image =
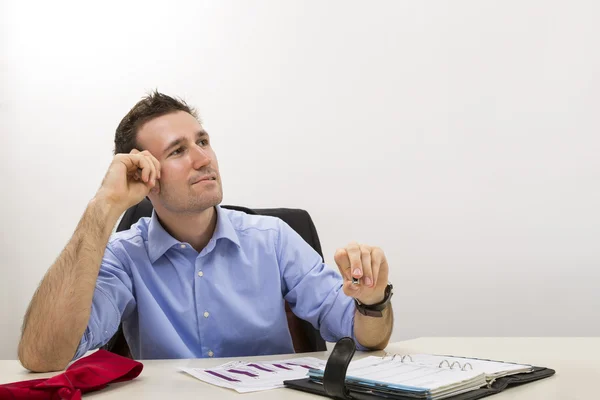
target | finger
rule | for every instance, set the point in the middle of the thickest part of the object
(153, 159)
(379, 264)
(153, 173)
(351, 289)
(133, 162)
(343, 263)
(374, 272)
(354, 256)
(365, 258)
(139, 164)
(146, 168)
(156, 164)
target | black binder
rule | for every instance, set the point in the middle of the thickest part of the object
(334, 383)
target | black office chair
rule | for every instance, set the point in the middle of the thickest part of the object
(304, 336)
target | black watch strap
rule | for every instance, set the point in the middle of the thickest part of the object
(375, 310)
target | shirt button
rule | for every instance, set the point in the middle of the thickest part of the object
(182, 246)
(206, 314)
(200, 273)
(210, 353)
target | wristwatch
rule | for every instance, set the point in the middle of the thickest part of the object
(375, 310)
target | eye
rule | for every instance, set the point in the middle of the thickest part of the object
(203, 142)
(177, 151)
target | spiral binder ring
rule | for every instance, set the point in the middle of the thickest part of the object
(451, 366)
(455, 362)
(402, 358)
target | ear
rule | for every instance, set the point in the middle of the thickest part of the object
(154, 190)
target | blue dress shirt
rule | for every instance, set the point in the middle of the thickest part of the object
(226, 301)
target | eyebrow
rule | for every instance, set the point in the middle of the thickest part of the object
(181, 139)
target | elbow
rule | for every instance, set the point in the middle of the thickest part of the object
(382, 345)
(34, 361)
(375, 347)
(37, 365)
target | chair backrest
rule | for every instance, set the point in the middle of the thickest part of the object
(304, 336)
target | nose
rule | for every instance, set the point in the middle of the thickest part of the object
(200, 157)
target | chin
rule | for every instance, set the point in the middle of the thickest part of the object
(193, 203)
(206, 200)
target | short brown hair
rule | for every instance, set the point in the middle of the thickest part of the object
(152, 106)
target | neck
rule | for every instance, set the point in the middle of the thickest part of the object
(196, 229)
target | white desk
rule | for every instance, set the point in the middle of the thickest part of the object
(576, 361)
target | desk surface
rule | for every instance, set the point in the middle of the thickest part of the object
(576, 361)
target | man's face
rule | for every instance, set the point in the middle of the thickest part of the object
(190, 180)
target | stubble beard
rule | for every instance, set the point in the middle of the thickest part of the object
(192, 202)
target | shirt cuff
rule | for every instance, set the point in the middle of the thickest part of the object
(339, 321)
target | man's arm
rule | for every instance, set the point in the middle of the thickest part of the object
(374, 333)
(60, 309)
(312, 289)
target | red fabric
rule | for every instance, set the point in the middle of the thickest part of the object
(87, 374)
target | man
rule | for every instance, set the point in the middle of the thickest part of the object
(194, 280)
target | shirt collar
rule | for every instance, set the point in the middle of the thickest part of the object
(159, 240)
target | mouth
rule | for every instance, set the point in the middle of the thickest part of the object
(205, 179)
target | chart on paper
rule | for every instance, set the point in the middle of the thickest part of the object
(252, 376)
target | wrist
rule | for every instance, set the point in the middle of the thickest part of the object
(104, 206)
(375, 309)
(374, 299)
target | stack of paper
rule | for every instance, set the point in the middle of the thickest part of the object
(391, 375)
(248, 376)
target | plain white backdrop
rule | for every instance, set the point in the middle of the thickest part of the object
(460, 136)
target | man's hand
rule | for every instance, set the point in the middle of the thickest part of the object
(368, 264)
(129, 179)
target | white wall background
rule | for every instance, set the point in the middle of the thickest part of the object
(460, 136)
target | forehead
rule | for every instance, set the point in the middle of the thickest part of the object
(157, 133)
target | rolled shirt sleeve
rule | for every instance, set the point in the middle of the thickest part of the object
(313, 289)
(113, 300)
